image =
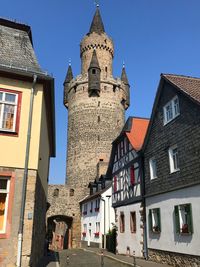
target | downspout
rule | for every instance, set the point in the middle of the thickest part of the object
(25, 176)
(144, 209)
(104, 218)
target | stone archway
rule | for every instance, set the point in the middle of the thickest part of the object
(59, 232)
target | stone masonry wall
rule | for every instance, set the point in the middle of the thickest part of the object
(8, 246)
(174, 259)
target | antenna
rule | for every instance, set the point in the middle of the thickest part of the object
(70, 62)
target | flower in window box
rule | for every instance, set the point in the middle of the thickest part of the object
(97, 209)
(83, 234)
(185, 228)
(96, 234)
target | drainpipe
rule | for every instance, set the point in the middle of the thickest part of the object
(144, 208)
(25, 176)
(104, 218)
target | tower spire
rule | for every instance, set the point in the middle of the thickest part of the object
(124, 77)
(69, 75)
(97, 23)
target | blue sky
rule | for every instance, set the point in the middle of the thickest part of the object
(151, 36)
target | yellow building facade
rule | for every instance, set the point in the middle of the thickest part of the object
(27, 141)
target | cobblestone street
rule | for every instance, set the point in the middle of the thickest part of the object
(80, 258)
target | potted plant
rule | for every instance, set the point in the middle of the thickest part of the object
(184, 228)
(96, 234)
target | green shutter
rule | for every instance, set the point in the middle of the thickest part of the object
(177, 221)
(150, 220)
(188, 209)
(159, 219)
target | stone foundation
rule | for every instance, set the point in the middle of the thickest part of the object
(174, 259)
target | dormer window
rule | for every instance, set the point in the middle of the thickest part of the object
(171, 110)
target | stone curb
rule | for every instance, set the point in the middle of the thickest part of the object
(113, 258)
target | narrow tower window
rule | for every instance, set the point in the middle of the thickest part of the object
(93, 71)
(99, 119)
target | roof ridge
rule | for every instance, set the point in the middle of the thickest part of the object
(180, 76)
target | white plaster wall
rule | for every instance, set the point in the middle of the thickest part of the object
(128, 239)
(168, 239)
(93, 217)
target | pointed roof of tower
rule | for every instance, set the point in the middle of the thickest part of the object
(69, 75)
(124, 76)
(94, 61)
(97, 23)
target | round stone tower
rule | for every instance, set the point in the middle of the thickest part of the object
(96, 103)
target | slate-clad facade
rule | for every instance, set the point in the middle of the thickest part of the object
(172, 172)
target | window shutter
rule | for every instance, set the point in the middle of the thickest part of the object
(150, 220)
(132, 173)
(189, 216)
(177, 221)
(115, 183)
(159, 219)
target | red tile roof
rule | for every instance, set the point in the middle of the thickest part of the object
(188, 85)
(138, 131)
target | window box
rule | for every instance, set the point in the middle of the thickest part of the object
(154, 221)
(183, 219)
(96, 209)
(84, 234)
(96, 234)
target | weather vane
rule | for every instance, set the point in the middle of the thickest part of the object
(96, 2)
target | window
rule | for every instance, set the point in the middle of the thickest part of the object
(183, 219)
(173, 159)
(84, 230)
(115, 184)
(133, 222)
(97, 204)
(85, 209)
(171, 110)
(93, 71)
(132, 175)
(4, 195)
(97, 229)
(122, 222)
(154, 220)
(71, 192)
(91, 206)
(56, 192)
(9, 110)
(153, 168)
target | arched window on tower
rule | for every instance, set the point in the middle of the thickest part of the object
(56, 192)
(71, 192)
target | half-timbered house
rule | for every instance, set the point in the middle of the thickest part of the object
(125, 168)
(172, 172)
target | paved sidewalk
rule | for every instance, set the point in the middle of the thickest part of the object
(125, 259)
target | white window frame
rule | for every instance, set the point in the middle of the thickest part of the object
(172, 163)
(153, 168)
(175, 110)
(3, 102)
(5, 191)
